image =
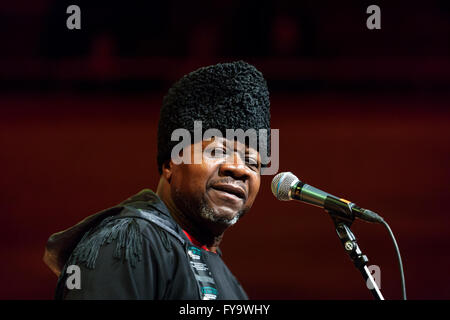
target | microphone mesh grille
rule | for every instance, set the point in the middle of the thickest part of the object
(281, 185)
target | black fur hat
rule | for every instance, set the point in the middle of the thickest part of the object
(223, 96)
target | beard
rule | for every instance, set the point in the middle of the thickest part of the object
(201, 209)
(208, 213)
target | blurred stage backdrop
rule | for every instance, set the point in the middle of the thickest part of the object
(363, 114)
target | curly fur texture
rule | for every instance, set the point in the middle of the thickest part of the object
(223, 96)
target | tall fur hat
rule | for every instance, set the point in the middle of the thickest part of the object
(223, 96)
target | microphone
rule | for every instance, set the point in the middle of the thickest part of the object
(286, 186)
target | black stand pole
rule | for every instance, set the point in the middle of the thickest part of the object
(348, 240)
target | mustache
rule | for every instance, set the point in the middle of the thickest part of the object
(229, 181)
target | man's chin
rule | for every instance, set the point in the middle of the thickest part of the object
(223, 217)
(227, 221)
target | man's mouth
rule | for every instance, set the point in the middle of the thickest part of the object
(231, 189)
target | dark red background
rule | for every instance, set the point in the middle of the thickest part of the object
(362, 114)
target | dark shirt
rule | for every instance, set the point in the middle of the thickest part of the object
(141, 253)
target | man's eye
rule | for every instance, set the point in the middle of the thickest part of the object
(218, 152)
(252, 162)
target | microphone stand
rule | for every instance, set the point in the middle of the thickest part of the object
(350, 245)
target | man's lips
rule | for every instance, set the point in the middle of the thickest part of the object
(232, 189)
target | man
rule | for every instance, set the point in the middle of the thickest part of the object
(165, 245)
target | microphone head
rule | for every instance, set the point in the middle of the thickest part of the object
(281, 185)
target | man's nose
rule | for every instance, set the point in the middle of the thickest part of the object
(235, 167)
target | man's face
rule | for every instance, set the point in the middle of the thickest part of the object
(222, 187)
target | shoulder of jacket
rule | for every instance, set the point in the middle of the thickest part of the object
(129, 229)
(155, 218)
(125, 232)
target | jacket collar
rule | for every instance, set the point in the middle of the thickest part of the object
(148, 198)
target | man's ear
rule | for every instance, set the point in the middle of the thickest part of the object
(167, 170)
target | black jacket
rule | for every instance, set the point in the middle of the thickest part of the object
(137, 251)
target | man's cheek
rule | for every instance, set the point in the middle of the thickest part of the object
(252, 196)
